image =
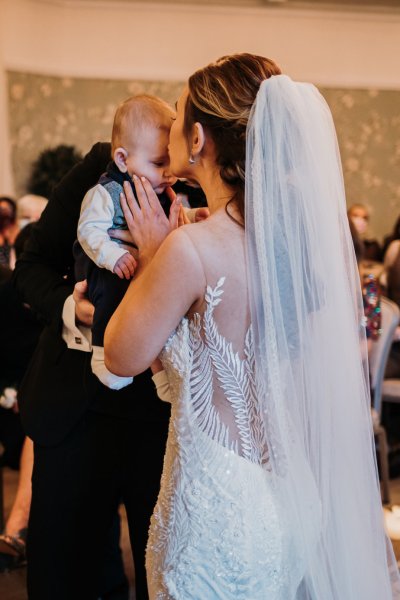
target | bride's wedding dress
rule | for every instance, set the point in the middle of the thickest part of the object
(218, 531)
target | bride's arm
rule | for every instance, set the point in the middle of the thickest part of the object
(153, 305)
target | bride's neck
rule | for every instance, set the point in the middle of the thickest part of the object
(217, 192)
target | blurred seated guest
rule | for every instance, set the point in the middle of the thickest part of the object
(388, 239)
(371, 295)
(359, 215)
(29, 209)
(13, 538)
(19, 334)
(391, 264)
(8, 231)
(370, 288)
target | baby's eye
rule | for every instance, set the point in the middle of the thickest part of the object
(158, 164)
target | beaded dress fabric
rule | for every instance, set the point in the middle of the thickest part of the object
(217, 530)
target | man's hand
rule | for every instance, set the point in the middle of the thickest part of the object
(84, 309)
(125, 266)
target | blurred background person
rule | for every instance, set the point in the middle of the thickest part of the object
(360, 217)
(394, 235)
(29, 209)
(19, 334)
(8, 231)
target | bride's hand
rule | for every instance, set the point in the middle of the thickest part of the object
(147, 221)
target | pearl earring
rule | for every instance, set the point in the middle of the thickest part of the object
(191, 160)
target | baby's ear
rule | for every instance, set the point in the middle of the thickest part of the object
(120, 156)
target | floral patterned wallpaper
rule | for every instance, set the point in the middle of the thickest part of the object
(47, 111)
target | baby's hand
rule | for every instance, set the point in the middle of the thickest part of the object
(125, 266)
(201, 214)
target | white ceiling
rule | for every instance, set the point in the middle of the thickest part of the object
(335, 4)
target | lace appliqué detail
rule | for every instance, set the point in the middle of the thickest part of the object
(235, 377)
(216, 531)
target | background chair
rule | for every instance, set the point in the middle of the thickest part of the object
(391, 390)
(378, 357)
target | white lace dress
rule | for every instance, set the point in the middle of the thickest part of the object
(217, 531)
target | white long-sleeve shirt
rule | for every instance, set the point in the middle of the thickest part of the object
(96, 218)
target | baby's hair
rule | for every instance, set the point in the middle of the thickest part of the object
(137, 112)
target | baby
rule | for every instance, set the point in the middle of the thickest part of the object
(139, 145)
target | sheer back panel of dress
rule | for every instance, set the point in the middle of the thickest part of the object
(223, 355)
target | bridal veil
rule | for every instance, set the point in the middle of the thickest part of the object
(311, 358)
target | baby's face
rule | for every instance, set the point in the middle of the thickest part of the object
(150, 158)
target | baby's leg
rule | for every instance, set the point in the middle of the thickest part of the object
(106, 291)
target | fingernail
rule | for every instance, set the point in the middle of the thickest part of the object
(143, 178)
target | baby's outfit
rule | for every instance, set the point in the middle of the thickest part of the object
(95, 257)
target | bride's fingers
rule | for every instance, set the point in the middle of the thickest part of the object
(129, 204)
(170, 193)
(141, 193)
(148, 198)
(127, 213)
(174, 213)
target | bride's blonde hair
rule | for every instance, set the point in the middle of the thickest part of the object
(221, 96)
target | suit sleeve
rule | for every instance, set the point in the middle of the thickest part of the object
(44, 272)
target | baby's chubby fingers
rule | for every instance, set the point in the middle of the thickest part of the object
(130, 263)
(125, 266)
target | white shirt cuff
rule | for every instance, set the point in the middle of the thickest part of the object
(161, 382)
(76, 338)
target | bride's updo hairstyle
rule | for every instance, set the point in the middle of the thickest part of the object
(220, 98)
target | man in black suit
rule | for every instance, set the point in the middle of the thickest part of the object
(94, 447)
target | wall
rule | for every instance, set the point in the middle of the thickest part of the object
(69, 63)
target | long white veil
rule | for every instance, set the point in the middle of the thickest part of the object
(310, 347)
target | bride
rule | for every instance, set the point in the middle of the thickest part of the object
(269, 488)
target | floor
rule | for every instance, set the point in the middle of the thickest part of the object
(12, 584)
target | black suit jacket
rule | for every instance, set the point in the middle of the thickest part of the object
(59, 386)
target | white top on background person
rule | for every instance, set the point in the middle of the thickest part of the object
(29, 208)
(270, 487)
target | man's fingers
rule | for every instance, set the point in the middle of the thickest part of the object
(81, 287)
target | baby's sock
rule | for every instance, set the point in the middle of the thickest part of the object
(112, 381)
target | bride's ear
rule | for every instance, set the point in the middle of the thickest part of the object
(198, 139)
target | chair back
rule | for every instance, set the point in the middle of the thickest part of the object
(378, 355)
